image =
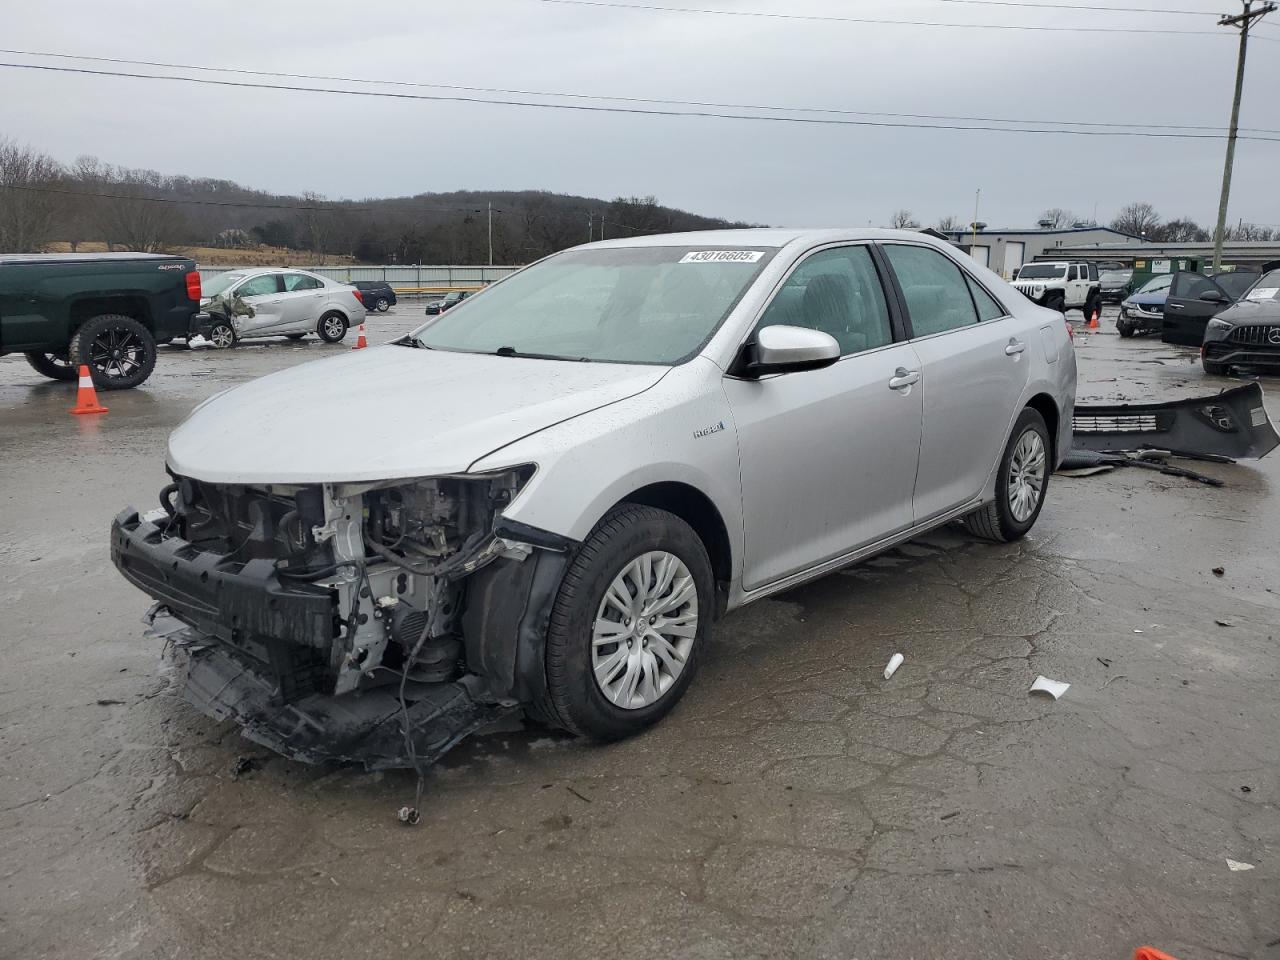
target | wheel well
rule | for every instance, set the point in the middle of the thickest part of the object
(696, 509)
(135, 307)
(1043, 404)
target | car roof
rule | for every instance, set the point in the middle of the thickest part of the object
(775, 237)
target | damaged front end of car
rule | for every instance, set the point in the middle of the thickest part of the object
(371, 623)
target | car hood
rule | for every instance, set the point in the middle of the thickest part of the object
(388, 413)
(1252, 311)
(1147, 300)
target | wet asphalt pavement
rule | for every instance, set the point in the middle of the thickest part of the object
(794, 805)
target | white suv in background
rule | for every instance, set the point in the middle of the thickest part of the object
(1062, 285)
(277, 302)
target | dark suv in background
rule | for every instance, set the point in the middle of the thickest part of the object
(377, 294)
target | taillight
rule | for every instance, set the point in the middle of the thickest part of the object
(358, 295)
(193, 286)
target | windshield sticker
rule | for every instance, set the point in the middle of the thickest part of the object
(722, 256)
(1263, 293)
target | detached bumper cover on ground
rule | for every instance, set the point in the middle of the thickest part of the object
(1229, 424)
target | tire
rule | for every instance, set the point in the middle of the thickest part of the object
(998, 520)
(120, 352)
(52, 365)
(382, 305)
(1215, 369)
(222, 335)
(1124, 328)
(332, 327)
(1092, 302)
(615, 552)
(1056, 301)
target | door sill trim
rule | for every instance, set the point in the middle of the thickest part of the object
(847, 559)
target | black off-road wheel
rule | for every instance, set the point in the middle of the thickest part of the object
(1094, 302)
(55, 366)
(628, 626)
(1056, 301)
(120, 352)
(1021, 485)
(332, 327)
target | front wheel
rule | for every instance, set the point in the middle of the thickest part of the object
(55, 366)
(1021, 485)
(332, 327)
(1057, 302)
(222, 335)
(629, 624)
(1125, 327)
(119, 351)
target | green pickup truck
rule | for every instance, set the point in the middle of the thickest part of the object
(107, 310)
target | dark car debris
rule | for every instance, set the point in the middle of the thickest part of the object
(1231, 425)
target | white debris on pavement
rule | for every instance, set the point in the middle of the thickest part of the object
(894, 663)
(1054, 688)
(1235, 866)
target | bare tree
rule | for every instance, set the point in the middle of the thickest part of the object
(1058, 218)
(1182, 230)
(315, 224)
(28, 201)
(949, 224)
(1137, 219)
(903, 220)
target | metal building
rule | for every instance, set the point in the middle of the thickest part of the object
(1006, 250)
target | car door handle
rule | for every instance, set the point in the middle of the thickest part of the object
(1014, 348)
(1173, 306)
(904, 378)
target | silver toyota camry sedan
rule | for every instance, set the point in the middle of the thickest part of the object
(543, 498)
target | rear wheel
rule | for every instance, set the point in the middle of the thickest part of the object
(120, 352)
(1091, 305)
(382, 305)
(55, 366)
(1021, 485)
(628, 625)
(332, 327)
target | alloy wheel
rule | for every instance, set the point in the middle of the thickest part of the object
(644, 630)
(117, 353)
(333, 327)
(222, 336)
(1026, 475)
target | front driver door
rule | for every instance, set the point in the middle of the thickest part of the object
(262, 293)
(828, 457)
(1186, 315)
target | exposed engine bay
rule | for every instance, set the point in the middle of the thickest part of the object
(376, 623)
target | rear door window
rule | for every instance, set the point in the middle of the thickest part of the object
(300, 281)
(935, 289)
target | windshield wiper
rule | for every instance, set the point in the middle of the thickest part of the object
(411, 341)
(513, 352)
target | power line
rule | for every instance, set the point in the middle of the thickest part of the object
(598, 97)
(828, 18)
(1081, 6)
(634, 111)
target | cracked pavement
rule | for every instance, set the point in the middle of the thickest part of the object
(795, 804)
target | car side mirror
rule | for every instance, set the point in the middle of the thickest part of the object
(1213, 296)
(787, 349)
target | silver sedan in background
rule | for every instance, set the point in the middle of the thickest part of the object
(277, 302)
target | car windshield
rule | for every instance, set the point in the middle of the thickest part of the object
(655, 305)
(1267, 287)
(216, 286)
(1042, 271)
(1235, 284)
(1156, 284)
(1116, 276)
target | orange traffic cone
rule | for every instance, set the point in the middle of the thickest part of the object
(1093, 320)
(361, 342)
(86, 395)
(1150, 953)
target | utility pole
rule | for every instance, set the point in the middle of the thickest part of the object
(1242, 21)
(591, 235)
(977, 199)
(491, 233)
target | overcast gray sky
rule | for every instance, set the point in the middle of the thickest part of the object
(793, 174)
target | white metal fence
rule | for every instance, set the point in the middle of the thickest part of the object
(400, 276)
